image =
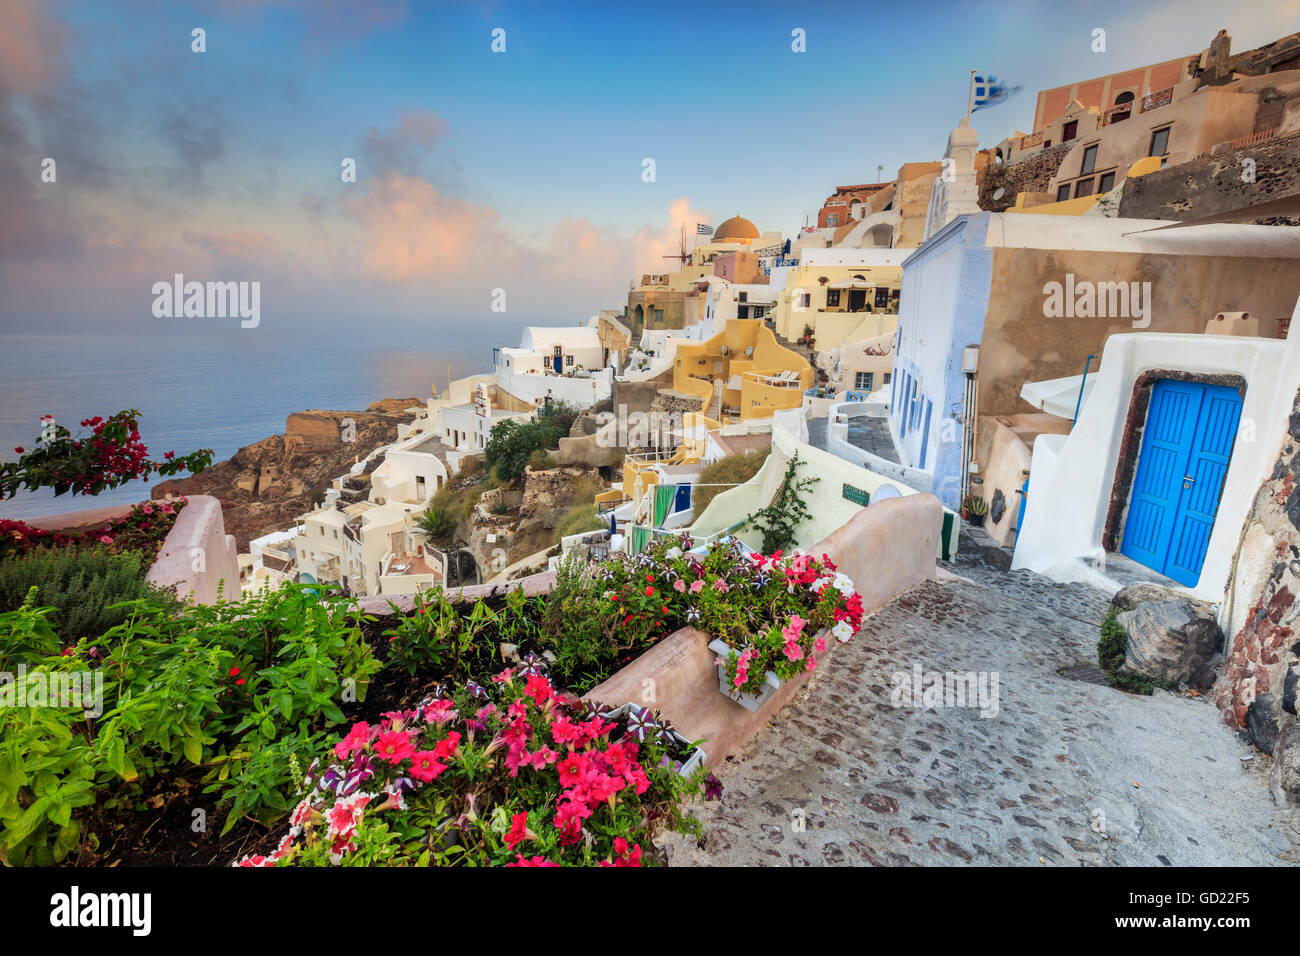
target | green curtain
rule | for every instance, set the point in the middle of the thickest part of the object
(664, 495)
(639, 536)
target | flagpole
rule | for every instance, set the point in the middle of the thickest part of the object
(970, 103)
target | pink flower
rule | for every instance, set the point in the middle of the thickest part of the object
(793, 651)
(534, 861)
(394, 746)
(425, 766)
(720, 586)
(679, 586)
(357, 739)
(439, 712)
(518, 831)
(697, 585)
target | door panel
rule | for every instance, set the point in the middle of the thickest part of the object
(1207, 467)
(1184, 459)
(1166, 444)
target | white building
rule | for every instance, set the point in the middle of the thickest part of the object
(1170, 448)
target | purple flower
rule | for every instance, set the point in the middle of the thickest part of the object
(712, 788)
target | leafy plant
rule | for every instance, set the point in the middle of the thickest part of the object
(1112, 648)
(732, 470)
(82, 587)
(779, 521)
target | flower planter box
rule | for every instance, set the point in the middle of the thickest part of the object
(750, 702)
(690, 764)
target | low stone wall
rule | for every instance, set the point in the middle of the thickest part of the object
(886, 548)
(198, 558)
(1214, 184)
(381, 604)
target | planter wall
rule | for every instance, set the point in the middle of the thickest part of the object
(885, 548)
(197, 556)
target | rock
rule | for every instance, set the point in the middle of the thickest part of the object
(1174, 641)
(1261, 723)
(1284, 780)
(1131, 596)
(998, 506)
(509, 652)
(1289, 687)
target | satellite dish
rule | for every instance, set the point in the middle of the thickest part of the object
(886, 491)
(999, 192)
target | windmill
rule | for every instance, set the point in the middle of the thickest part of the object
(683, 257)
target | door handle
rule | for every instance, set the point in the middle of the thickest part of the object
(1188, 480)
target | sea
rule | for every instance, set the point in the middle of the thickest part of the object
(220, 391)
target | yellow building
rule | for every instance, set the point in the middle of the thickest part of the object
(833, 300)
(742, 371)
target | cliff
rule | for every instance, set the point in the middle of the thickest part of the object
(264, 486)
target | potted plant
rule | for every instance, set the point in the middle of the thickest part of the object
(974, 508)
(637, 723)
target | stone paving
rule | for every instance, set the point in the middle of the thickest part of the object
(1068, 772)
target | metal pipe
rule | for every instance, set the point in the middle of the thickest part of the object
(1079, 404)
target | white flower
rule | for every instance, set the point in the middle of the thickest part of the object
(673, 553)
(816, 586)
(844, 584)
(843, 631)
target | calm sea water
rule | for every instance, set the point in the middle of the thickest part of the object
(221, 391)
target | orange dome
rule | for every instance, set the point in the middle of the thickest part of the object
(737, 227)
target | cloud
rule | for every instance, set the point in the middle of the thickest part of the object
(405, 148)
(414, 232)
(30, 48)
(196, 145)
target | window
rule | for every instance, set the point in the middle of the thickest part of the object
(862, 381)
(1063, 193)
(805, 300)
(1083, 188)
(744, 297)
(568, 360)
(1106, 183)
(888, 376)
(1069, 131)
(832, 220)
(1089, 160)
(832, 298)
(1159, 142)
(1047, 144)
(882, 298)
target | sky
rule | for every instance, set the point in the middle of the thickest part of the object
(476, 170)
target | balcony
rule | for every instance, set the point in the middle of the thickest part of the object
(1157, 100)
(1032, 140)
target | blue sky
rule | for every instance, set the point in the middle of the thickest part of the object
(479, 170)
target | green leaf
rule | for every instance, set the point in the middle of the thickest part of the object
(194, 749)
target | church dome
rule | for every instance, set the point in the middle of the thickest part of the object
(737, 227)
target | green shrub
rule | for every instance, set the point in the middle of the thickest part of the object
(732, 470)
(81, 585)
(512, 442)
(1111, 649)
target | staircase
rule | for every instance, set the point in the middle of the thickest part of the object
(714, 411)
(809, 354)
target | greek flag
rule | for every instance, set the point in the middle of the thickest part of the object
(990, 91)
(703, 230)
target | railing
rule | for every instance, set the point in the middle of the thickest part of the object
(1032, 140)
(1117, 114)
(1158, 99)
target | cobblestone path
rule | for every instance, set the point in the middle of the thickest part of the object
(1068, 772)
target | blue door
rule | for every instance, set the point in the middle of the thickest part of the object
(1186, 448)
